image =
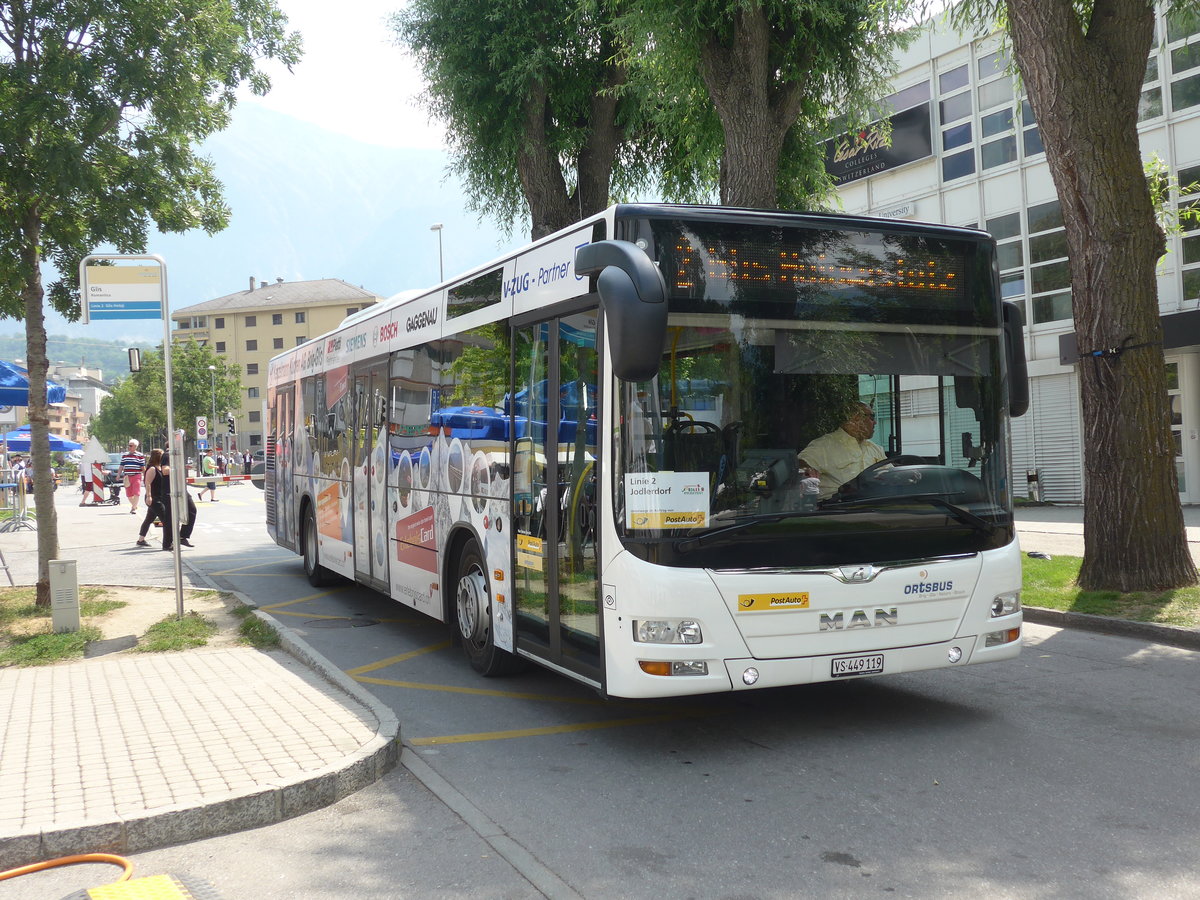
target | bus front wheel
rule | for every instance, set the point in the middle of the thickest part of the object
(473, 614)
(317, 574)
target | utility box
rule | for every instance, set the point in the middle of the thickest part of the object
(64, 595)
(1033, 484)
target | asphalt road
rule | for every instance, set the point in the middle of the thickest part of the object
(1071, 772)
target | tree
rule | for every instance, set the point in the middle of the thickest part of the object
(1083, 63)
(138, 405)
(528, 92)
(101, 105)
(746, 88)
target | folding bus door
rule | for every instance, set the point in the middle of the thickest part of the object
(554, 432)
(370, 472)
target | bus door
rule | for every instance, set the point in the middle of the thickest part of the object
(277, 476)
(554, 431)
(369, 470)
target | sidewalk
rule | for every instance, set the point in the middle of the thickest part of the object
(128, 753)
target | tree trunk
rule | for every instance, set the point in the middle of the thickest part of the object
(1085, 91)
(540, 170)
(39, 422)
(599, 153)
(755, 112)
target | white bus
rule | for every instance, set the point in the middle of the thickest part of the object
(585, 454)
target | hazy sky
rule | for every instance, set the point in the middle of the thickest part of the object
(352, 78)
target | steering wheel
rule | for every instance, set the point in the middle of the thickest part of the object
(906, 459)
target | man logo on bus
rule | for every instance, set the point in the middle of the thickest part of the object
(858, 619)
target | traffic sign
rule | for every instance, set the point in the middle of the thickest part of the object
(202, 428)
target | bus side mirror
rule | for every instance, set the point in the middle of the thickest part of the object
(1014, 351)
(633, 294)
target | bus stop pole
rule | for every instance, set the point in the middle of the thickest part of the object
(178, 498)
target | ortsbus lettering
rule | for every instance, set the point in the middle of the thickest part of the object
(421, 319)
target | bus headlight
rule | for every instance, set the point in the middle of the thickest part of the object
(1006, 604)
(667, 631)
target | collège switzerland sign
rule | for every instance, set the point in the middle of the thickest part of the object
(852, 157)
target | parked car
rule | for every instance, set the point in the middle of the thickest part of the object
(112, 468)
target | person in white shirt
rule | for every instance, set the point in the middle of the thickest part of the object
(843, 453)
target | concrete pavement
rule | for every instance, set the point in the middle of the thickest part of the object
(127, 753)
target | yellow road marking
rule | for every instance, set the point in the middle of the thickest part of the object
(283, 603)
(538, 732)
(391, 660)
(482, 692)
(260, 565)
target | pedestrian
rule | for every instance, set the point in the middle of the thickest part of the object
(158, 504)
(85, 480)
(208, 468)
(133, 464)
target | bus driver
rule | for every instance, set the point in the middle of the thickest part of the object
(844, 452)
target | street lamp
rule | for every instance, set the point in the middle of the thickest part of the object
(438, 228)
(212, 423)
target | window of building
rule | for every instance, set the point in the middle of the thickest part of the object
(300, 339)
(251, 368)
(255, 440)
(299, 318)
(219, 322)
(277, 343)
(951, 81)
(956, 136)
(908, 97)
(251, 345)
(252, 393)
(219, 346)
(1049, 268)
(352, 310)
(255, 415)
(276, 318)
(958, 165)
(1010, 252)
(1031, 137)
(1189, 188)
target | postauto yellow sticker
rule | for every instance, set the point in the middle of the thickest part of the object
(761, 602)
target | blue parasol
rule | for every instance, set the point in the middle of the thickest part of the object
(18, 441)
(14, 387)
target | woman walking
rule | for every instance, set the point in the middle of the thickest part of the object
(133, 464)
(158, 504)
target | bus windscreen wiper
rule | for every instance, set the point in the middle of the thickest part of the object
(685, 545)
(963, 515)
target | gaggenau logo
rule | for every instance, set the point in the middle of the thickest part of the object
(420, 320)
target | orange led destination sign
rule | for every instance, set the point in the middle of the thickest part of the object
(789, 268)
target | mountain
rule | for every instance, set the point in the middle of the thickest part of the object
(309, 203)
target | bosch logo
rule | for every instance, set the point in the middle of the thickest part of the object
(388, 331)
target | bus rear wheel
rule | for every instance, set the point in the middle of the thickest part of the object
(317, 574)
(473, 615)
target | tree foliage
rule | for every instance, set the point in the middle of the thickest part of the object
(101, 106)
(1083, 64)
(741, 92)
(528, 92)
(138, 405)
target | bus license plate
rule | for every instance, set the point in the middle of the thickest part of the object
(868, 664)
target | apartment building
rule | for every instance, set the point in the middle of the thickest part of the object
(966, 150)
(248, 327)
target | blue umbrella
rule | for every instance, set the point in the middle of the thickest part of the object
(18, 441)
(14, 387)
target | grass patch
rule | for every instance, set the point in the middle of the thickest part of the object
(254, 631)
(1050, 583)
(45, 648)
(173, 633)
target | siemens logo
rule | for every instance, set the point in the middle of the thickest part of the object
(420, 320)
(929, 587)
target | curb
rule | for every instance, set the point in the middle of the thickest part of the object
(1171, 635)
(263, 806)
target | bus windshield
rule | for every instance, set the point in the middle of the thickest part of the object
(824, 398)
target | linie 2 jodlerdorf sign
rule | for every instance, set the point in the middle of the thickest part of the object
(122, 292)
